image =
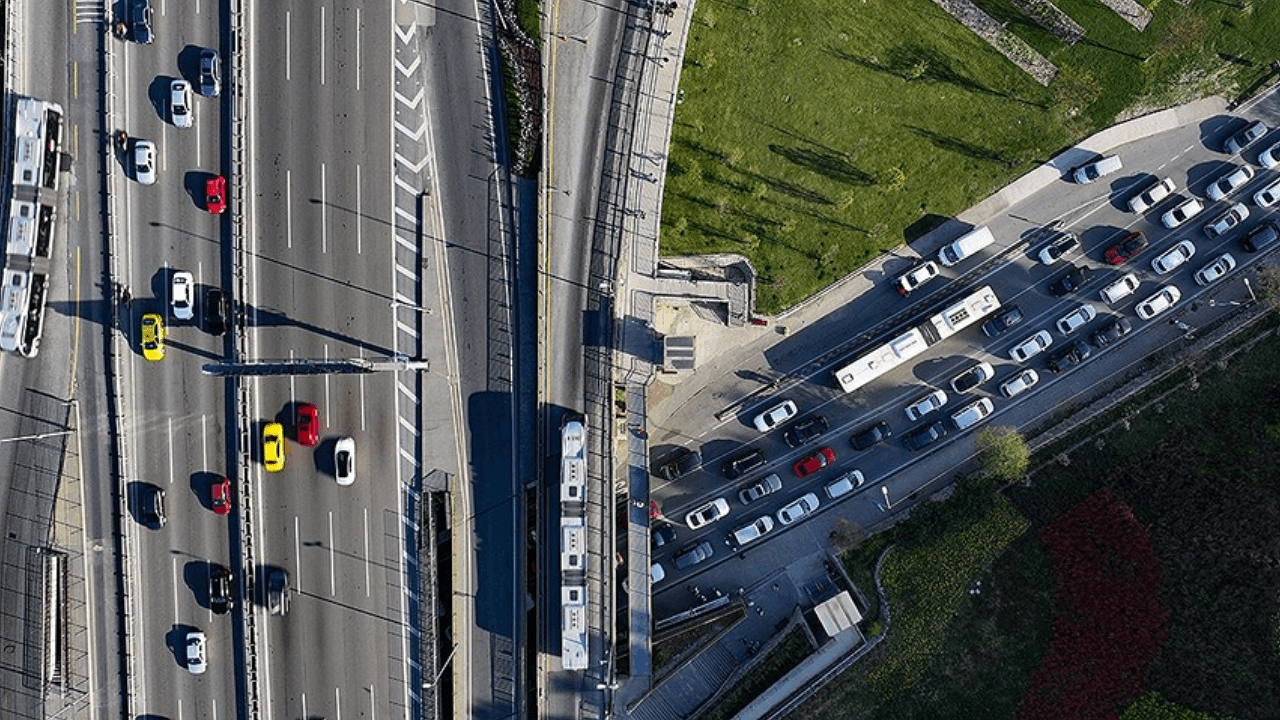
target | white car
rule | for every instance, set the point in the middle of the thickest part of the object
(344, 461)
(144, 162)
(1215, 270)
(1031, 347)
(1120, 289)
(1234, 215)
(196, 662)
(1164, 299)
(1269, 195)
(973, 413)
(1076, 319)
(1059, 248)
(845, 484)
(1229, 183)
(182, 295)
(1270, 157)
(753, 531)
(1019, 383)
(775, 416)
(180, 103)
(1148, 198)
(1181, 213)
(707, 514)
(1173, 258)
(908, 281)
(798, 509)
(922, 406)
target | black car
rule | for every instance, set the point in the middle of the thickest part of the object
(682, 463)
(1002, 321)
(1069, 357)
(278, 591)
(1112, 331)
(735, 468)
(873, 435)
(694, 554)
(140, 21)
(1071, 282)
(805, 431)
(664, 534)
(925, 436)
(215, 311)
(151, 499)
(220, 595)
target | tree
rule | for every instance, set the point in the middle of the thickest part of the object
(1003, 453)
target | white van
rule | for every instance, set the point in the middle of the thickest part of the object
(966, 246)
(1089, 172)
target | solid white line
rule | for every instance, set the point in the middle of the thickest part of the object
(362, 399)
(327, 402)
(324, 210)
(176, 580)
(170, 443)
(297, 560)
(358, 67)
(322, 48)
(333, 559)
(204, 441)
(293, 380)
(337, 700)
(366, 552)
(288, 207)
(359, 239)
(288, 55)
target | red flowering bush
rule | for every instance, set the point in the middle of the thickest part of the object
(1108, 621)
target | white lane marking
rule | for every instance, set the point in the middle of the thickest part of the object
(362, 398)
(337, 701)
(176, 579)
(359, 240)
(204, 441)
(304, 705)
(373, 703)
(297, 561)
(214, 705)
(293, 380)
(288, 208)
(333, 560)
(358, 81)
(170, 443)
(198, 128)
(327, 402)
(180, 715)
(322, 47)
(324, 210)
(366, 552)
(288, 55)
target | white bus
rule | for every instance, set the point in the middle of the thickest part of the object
(37, 148)
(954, 318)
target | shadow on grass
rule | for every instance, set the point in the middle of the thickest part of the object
(825, 162)
(963, 147)
(911, 62)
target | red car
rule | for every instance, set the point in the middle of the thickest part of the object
(815, 462)
(221, 494)
(215, 194)
(308, 425)
(1126, 249)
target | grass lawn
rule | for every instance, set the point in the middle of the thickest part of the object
(814, 136)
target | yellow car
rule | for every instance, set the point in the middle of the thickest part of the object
(273, 447)
(153, 337)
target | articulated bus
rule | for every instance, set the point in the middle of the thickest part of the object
(37, 147)
(573, 544)
(911, 343)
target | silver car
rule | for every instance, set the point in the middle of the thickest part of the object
(926, 404)
(1244, 137)
(196, 661)
(1120, 289)
(182, 295)
(1031, 347)
(1234, 215)
(1076, 319)
(798, 509)
(1215, 270)
(1019, 383)
(1164, 299)
(1269, 195)
(707, 514)
(1181, 213)
(210, 75)
(1148, 198)
(1173, 258)
(1229, 183)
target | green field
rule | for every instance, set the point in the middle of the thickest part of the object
(814, 136)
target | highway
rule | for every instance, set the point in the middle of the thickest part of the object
(1098, 213)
